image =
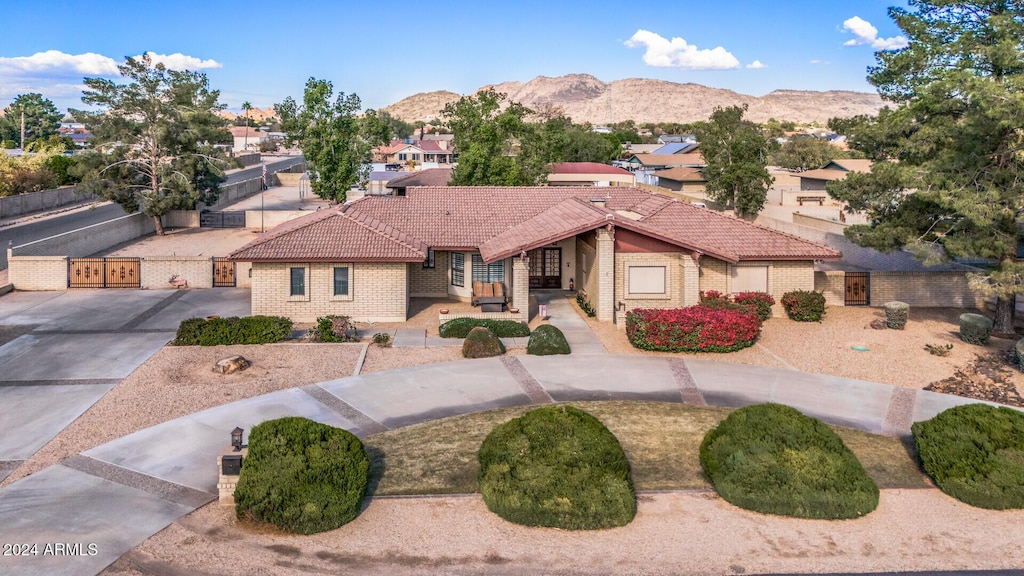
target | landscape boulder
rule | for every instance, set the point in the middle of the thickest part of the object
(231, 364)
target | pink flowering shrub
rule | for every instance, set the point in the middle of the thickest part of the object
(693, 329)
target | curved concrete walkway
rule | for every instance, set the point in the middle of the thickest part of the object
(116, 495)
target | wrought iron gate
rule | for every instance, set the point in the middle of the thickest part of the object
(223, 273)
(113, 272)
(857, 289)
(224, 219)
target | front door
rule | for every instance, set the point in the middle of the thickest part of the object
(857, 289)
(546, 268)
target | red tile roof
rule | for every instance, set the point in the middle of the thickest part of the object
(502, 221)
(682, 174)
(691, 159)
(429, 177)
(587, 168)
(334, 235)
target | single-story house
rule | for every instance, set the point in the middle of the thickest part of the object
(626, 247)
(247, 140)
(682, 179)
(430, 177)
(589, 174)
(815, 180)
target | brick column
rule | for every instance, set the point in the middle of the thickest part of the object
(691, 280)
(521, 285)
(606, 269)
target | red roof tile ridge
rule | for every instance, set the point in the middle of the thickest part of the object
(760, 227)
(293, 225)
(386, 230)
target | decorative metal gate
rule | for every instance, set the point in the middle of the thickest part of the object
(223, 273)
(225, 219)
(857, 289)
(114, 272)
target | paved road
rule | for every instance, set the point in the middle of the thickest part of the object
(73, 220)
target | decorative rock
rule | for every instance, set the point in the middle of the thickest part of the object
(232, 364)
(878, 324)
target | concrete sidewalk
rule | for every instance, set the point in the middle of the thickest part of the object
(118, 494)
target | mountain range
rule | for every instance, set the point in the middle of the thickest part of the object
(584, 98)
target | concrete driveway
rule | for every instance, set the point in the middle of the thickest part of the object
(67, 349)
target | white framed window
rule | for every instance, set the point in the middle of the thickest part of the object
(646, 280)
(298, 283)
(748, 279)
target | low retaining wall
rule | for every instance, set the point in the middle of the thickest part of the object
(267, 219)
(817, 223)
(91, 239)
(11, 206)
(181, 219)
(37, 272)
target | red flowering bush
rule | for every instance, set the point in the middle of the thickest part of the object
(804, 305)
(760, 302)
(693, 329)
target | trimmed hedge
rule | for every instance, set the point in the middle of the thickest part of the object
(896, 314)
(556, 466)
(757, 303)
(692, 329)
(804, 305)
(771, 458)
(302, 476)
(460, 327)
(233, 330)
(547, 340)
(481, 343)
(975, 453)
(975, 329)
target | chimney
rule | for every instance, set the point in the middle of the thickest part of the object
(598, 202)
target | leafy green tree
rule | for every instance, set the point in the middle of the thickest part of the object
(41, 119)
(563, 141)
(735, 151)
(957, 135)
(150, 145)
(332, 137)
(497, 147)
(804, 153)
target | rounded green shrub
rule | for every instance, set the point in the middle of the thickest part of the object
(547, 340)
(896, 314)
(481, 343)
(556, 466)
(975, 329)
(771, 458)
(975, 453)
(302, 476)
(804, 305)
(460, 327)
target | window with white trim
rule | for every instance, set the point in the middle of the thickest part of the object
(429, 262)
(748, 279)
(646, 279)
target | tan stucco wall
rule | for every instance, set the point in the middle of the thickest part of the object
(587, 275)
(783, 276)
(833, 284)
(378, 292)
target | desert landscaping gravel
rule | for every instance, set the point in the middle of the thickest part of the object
(674, 533)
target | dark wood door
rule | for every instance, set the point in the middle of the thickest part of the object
(857, 289)
(546, 268)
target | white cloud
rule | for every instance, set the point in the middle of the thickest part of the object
(55, 62)
(677, 53)
(179, 61)
(865, 33)
(820, 62)
(755, 65)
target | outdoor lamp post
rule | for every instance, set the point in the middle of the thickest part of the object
(236, 439)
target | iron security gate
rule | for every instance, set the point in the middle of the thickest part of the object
(223, 273)
(114, 272)
(224, 219)
(857, 289)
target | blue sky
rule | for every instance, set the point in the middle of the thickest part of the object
(264, 51)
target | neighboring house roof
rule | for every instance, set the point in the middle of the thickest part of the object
(682, 174)
(503, 221)
(642, 148)
(692, 159)
(587, 168)
(837, 170)
(429, 177)
(239, 132)
(676, 148)
(334, 235)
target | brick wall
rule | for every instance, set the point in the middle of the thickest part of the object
(181, 219)
(378, 292)
(788, 276)
(923, 289)
(430, 282)
(833, 284)
(714, 275)
(38, 272)
(11, 206)
(674, 296)
(604, 299)
(157, 270)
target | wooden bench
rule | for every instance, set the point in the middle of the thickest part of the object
(819, 199)
(490, 296)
